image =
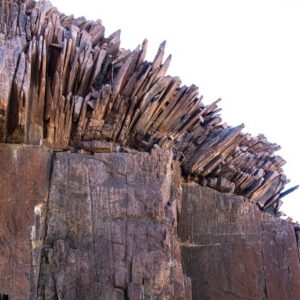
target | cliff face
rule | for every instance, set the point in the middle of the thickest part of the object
(231, 250)
(111, 228)
(117, 182)
(24, 186)
(105, 226)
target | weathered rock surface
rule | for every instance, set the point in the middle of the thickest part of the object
(231, 250)
(95, 225)
(110, 226)
(24, 186)
(104, 226)
(64, 84)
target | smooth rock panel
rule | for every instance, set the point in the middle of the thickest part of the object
(24, 186)
(232, 250)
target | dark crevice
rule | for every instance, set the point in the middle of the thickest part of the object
(297, 233)
(51, 171)
(266, 291)
(263, 268)
(126, 297)
(44, 257)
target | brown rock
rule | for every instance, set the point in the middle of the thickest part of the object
(108, 231)
(108, 228)
(63, 83)
(231, 250)
(111, 228)
(24, 185)
(10, 51)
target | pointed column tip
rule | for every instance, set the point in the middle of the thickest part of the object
(163, 44)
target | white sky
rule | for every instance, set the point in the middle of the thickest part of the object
(245, 51)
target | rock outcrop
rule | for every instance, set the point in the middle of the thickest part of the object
(64, 84)
(116, 182)
(233, 251)
(24, 187)
(111, 228)
(104, 226)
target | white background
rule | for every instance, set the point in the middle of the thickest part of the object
(245, 51)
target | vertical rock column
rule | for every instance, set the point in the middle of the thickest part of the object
(111, 228)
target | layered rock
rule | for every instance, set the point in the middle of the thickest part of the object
(95, 214)
(64, 84)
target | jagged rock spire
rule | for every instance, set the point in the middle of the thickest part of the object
(64, 84)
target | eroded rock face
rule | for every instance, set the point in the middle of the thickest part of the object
(24, 186)
(104, 226)
(231, 250)
(10, 81)
(107, 230)
(65, 84)
(111, 228)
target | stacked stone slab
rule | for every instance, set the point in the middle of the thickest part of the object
(117, 182)
(64, 84)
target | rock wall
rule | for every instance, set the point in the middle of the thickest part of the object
(95, 225)
(104, 226)
(24, 186)
(111, 228)
(108, 229)
(231, 250)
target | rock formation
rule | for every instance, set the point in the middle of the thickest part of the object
(117, 182)
(243, 253)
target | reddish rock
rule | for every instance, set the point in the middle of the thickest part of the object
(111, 228)
(24, 185)
(108, 227)
(231, 250)
(65, 84)
(108, 230)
